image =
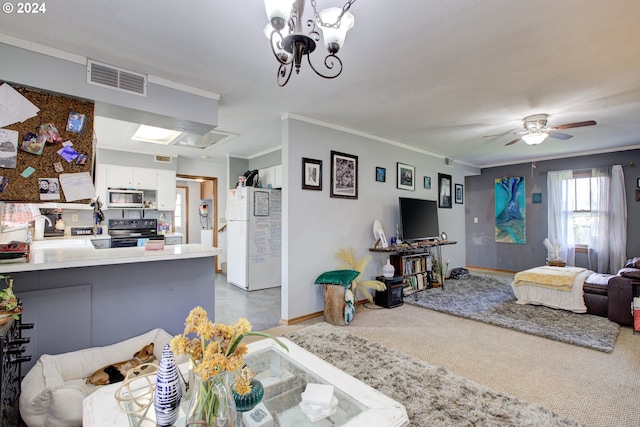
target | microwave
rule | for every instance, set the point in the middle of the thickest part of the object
(125, 198)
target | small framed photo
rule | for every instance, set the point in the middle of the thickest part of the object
(638, 183)
(311, 174)
(427, 183)
(536, 197)
(381, 174)
(444, 191)
(459, 194)
(76, 122)
(406, 175)
(344, 175)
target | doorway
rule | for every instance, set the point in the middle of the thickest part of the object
(194, 191)
(181, 214)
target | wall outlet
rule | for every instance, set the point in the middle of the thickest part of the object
(74, 218)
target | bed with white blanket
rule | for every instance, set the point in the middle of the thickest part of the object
(556, 287)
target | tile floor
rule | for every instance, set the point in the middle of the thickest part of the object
(261, 307)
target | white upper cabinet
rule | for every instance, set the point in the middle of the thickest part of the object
(271, 176)
(166, 196)
(130, 177)
(119, 176)
(146, 179)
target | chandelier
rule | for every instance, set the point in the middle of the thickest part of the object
(290, 44)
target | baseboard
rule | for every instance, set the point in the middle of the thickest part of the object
(311, 315)
(301, 318)
(490, 269)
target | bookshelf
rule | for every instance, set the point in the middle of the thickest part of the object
(415, 269)
(414, 263)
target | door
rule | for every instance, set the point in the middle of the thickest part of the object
(181, 213)
(238, 254)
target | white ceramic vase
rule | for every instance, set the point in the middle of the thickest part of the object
(168, 392)
(388, 270)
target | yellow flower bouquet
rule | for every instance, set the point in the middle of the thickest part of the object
(214, 350)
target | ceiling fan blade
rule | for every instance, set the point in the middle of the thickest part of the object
(558, 135)
(511, 132)
(512, 142)
(574, 125)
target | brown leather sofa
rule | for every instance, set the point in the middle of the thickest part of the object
(611, 296)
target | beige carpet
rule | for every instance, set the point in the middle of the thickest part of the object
(592, 387)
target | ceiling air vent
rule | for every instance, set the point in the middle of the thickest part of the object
(116, 78)
(448, 161)
(163, 158)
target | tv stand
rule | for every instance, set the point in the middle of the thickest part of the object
(410, 261)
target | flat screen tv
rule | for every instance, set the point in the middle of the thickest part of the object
(419, 219)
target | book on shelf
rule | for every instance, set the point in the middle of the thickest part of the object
(420, 278)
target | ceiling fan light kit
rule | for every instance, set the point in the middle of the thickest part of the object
(290, 45)
(536, 130)
(535, 138)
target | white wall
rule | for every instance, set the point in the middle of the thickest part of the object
(316, 226)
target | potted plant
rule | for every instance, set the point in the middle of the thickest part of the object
(9, 305)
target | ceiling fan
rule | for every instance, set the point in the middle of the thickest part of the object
(536, 129)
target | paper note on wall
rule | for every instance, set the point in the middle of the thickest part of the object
(14, 107)
(77, 186)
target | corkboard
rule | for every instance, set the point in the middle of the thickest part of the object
(54, 109)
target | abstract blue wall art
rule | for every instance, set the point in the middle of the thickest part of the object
(510, 210)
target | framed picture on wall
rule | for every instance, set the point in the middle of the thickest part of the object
(427, 182)
(344, 175)
(311, 174)
(444, 190)
(381, 174)
(406, 174)
(459, 193)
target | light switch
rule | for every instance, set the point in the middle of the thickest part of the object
(475, 220)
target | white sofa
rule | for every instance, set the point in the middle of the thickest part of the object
(53, 390)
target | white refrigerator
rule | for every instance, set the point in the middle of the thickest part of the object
(254, 242)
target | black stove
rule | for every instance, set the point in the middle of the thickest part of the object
(133, 232)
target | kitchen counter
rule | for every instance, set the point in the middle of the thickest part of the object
(79, 296)
(79, 252)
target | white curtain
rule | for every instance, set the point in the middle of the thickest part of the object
(560, 213)
(600, 221)
(608, 232)
(618, 227)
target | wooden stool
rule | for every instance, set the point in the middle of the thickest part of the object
(334, 304)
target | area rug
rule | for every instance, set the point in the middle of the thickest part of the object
(490, 299)
(431, 395)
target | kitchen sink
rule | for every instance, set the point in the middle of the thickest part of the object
(60, 243)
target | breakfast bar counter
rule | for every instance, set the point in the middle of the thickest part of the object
(79, 297)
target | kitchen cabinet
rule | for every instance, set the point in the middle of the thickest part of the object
(206, 190)
(145, 179)
(173, 239)
(130, 177)
(271, 177)
(104, 243)
(166, 195)
(163, 182)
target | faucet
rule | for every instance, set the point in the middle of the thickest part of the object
(46, 218)
(39, 226)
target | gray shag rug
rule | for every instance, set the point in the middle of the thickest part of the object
(490, 299)
(431, 395)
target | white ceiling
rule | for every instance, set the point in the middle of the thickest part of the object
(437, 75)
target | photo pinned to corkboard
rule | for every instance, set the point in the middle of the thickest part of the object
(57, 137)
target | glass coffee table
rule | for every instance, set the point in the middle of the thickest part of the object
(284, 376)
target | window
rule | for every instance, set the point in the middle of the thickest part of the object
(581, 190)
